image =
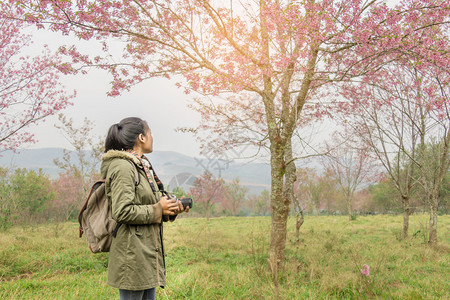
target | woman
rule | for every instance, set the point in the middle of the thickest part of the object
(136, 259)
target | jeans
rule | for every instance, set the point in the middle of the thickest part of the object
(137, 295)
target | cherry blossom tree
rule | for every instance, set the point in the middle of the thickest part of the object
(235, 196)
(267, 59)
(30, 89)
(69, 195)
(207, 191)
(398, 112)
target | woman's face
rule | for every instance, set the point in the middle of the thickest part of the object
(147, 142)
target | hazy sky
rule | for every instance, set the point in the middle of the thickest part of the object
(158, 101)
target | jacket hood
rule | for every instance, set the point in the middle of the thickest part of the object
(114, 154)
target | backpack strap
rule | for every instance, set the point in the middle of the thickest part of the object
(136, 173)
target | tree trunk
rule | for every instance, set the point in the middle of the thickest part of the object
(406, 213)
(283, 178)
(349, 208)
(432, 239)
(279, 212)
(298, 224)
(279, 204)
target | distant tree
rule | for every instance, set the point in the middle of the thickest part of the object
(351, 165)
(30, 195)
(362, 201)
(5, 202)
(330, 192)
(30, 88)
(88, 151)
(316, 192)
(207, 191)
(235, 196)
(434, 163)
(80, 167)
(385, 197)
(396, 112)
(307, 189)
(68, 196)
(259, 205)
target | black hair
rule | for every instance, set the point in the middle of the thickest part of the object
(123, 135)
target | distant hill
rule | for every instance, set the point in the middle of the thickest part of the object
(174, 169)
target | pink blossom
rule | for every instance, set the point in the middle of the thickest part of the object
(365, 271)
(30, 87)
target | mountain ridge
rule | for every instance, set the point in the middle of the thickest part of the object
(174, 168)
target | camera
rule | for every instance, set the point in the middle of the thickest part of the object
(184, 201)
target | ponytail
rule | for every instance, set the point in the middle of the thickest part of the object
(123, 135)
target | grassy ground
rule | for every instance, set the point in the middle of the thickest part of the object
(226, 258)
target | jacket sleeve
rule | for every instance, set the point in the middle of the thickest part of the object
(121, 179)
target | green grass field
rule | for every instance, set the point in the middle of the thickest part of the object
(226, 258)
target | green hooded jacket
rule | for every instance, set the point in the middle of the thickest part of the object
(136, 257)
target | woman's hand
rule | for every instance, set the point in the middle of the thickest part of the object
(180, 206)
(169, 206)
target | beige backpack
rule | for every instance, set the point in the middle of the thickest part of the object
(96, 220)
